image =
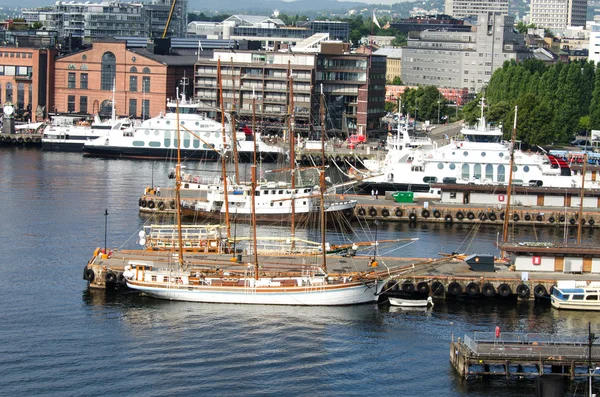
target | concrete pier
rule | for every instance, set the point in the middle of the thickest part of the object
(522, 355)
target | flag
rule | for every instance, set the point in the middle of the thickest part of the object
(375, 20)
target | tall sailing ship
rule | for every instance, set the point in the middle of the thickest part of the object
(254, 283)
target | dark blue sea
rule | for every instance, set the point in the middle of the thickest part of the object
(58, 338)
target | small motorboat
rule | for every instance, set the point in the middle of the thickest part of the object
(411, 302)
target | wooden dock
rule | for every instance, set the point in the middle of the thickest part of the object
(523, 355)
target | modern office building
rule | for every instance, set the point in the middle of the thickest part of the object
(430, 22)
(272, 32)
(557, 15)
(462, 59)
(352, 85)
(91, 21)
(465, 8)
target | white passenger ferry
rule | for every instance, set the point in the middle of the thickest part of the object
(66, 133)
(478, 156)
(202, 138)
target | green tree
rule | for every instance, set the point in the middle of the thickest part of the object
(594, 111)
(397, 81)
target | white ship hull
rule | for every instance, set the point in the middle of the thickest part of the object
(321, 295)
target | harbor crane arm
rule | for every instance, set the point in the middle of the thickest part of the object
(169, 19)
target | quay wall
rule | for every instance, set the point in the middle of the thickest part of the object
(449, 214)
(20, 139)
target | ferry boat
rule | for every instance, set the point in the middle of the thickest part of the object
(66, 133)
(400, 145)
(156, 138)
(576, 295)
(480, 156)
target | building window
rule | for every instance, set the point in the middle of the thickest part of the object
(146, 109)
(9, 92)
(133, 69)
(108, 73)
(71, 103)
(71, 80)
(83, 81)
(146, 70)
(146, 84)
(133, 83)
(133, 107)
(83, 104)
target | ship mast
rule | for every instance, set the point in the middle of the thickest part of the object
(178, 188)
(233, 127)
(291, 124)
(510, 178)
(322, 181)
(253, 188)
(223, 165)
(581, 196)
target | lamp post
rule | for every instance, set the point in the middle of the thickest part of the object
(438, 112)
(105, 228)
(591, 338)
(375, 251)
(152, 181)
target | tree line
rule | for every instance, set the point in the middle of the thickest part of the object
(555, 102)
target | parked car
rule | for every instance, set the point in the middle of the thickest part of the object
(580, 142)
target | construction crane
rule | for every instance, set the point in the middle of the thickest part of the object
(169, 19)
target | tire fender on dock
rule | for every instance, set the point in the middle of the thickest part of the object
(454, 288)
(472, 289)
(504, 290)
(408, 286)
(523, 291)
(423, 287)
(540, 291)
(488, 290)
(437, 288)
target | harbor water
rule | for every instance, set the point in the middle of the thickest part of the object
(58, 338)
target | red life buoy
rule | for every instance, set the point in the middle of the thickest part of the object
(500, 197)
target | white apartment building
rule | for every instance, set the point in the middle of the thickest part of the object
(110, 18)
(465, 8)
(594, 48)
(556, 15)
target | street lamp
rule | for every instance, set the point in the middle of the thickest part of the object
(152, 181)
(376, 243)
(438, 111)
(105, 228)
(591, 338)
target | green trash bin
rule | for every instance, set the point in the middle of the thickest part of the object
(403, 197)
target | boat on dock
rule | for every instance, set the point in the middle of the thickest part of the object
(576, 295)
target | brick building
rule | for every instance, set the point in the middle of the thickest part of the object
(144, 78)
(25, 80)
